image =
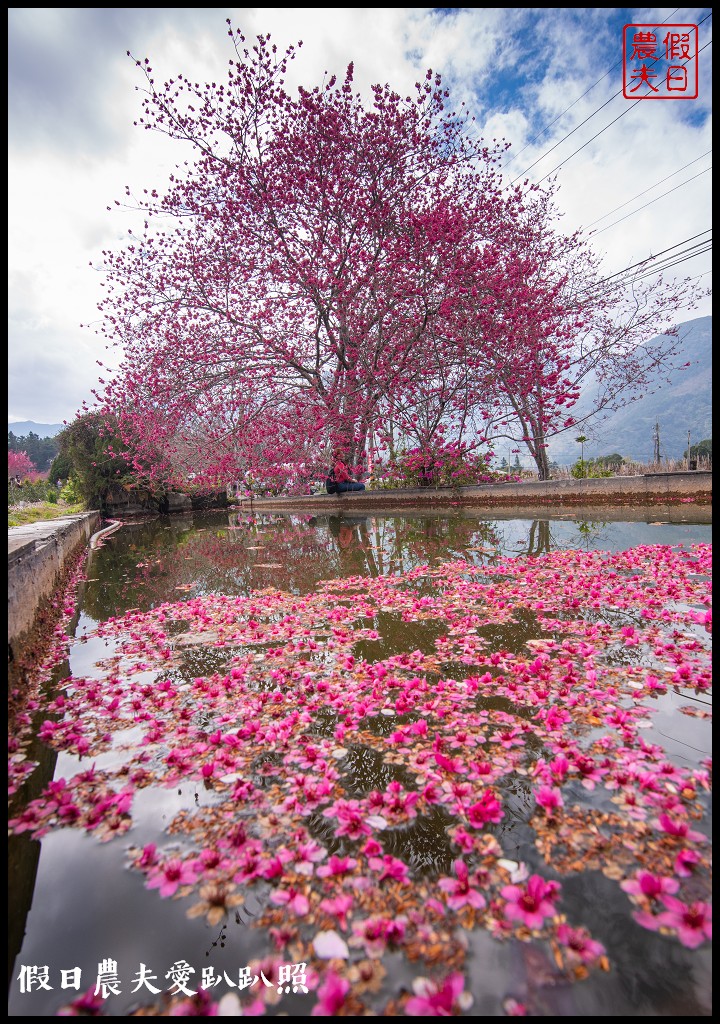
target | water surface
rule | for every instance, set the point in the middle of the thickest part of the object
(80, 901)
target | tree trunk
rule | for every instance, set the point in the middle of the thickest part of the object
(541, 461)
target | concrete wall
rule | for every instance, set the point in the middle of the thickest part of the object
(37, 555)
(648, 490)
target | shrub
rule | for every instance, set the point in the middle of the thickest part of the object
(444, 465)
(69, 492)
(584, 470)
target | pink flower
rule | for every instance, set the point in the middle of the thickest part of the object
(554, 718)
(684, 861)
(148, 857)
(331, 996)
(273, 868)
(532, 903)
(559, 767)
(692, 922)
(513, 1008)
(454, 765)
(549, 798)
(352, 818)
(376, 933)
(250, 865)
(589, 771)
(294, 900)
(460, 891)
(463, 839)
(508, 738)
(579, 945)
(337, 866)
(338, 908)
(679, 828)
(396, 802)
(168, 877)
(488, 808)
(88, 1005)
(432, 793)
(669, 771)
(390, 867)
(372, 848)
(438, 999)
(648, 885)
(308, 854)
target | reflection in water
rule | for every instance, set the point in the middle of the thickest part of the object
(151, 562)
(173, 558)
(145, 565)
(539, 537)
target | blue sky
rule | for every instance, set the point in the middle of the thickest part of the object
(547, 80)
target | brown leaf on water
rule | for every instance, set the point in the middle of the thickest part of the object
(614, 871)
(190, 639)
(695, 712)
(366, 976)
(216, 900)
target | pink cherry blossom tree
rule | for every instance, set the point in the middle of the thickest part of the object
(20, 465)
(298, 280)
(324, 271)
(564, 329)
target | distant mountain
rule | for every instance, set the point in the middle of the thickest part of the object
(24, 427)
(683, 405)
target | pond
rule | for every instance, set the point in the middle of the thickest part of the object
(380, 764)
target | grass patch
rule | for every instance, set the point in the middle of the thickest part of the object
(40, 512)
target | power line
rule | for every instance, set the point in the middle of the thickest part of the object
(626, 111)
(650, 271)
(664, 260)
(690, 251)
(660, 270)
(650, 188)
(645, 205)
(560, 141)
(596, 136)
(659, 267)
(548, 126)
(662, 251)
(597, 111)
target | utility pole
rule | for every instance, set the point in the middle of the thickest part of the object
(688, 451)
(656, 445)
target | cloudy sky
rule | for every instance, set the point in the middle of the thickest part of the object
(549, 81)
